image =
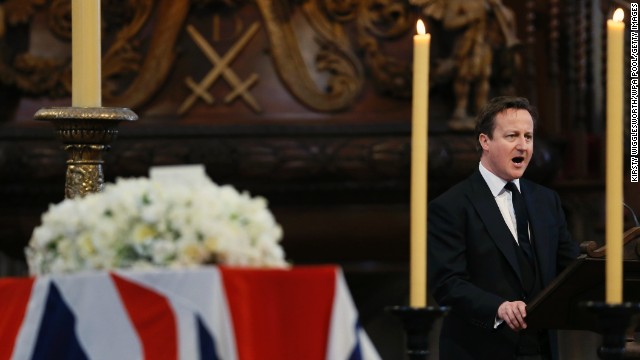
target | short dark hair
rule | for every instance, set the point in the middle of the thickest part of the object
(486, 120)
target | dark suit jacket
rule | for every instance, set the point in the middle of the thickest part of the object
(473, 268)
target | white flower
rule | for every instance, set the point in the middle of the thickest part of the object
(163, 251)
(139, 223)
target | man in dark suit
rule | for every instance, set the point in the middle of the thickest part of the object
(490, 250)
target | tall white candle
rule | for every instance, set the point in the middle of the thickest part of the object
(419, 149)
(86, 56)
(614, 181)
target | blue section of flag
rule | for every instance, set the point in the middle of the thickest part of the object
(56, 336)
(356, 354)
(206, 342)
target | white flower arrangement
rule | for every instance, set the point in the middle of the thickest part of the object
(143, 223)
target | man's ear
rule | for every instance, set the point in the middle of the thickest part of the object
(484, 139)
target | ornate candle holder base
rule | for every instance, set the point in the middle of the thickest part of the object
(86, 133)
(614, 321)
(417, 323)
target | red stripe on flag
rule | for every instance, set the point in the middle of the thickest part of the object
(281, 314)
(15, 294)
(153, 318)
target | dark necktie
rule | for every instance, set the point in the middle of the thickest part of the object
(522, 220)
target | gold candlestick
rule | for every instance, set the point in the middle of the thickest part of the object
(86, 133)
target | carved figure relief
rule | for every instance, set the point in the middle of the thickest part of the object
(483, 27)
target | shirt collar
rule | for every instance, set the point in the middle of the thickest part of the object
(496, 184)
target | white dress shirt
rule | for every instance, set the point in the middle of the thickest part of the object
(502, 198)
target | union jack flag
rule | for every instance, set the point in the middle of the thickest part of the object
(204, 313)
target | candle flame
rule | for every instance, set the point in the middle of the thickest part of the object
(421, 29)
(618, 16)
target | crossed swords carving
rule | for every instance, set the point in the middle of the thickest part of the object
(221, 67)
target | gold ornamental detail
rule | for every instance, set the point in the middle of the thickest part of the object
(86, 133)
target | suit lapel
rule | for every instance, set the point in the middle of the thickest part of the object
(489, 213)
(538, 228)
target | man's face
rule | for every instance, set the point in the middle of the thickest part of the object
(507, 155)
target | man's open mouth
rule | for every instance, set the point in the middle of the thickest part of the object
(518, 159)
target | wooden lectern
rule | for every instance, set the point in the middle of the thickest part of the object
(559, 307)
